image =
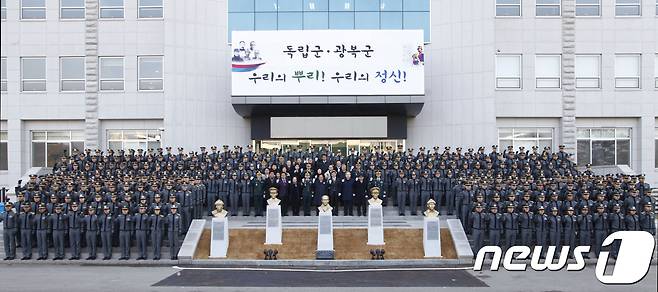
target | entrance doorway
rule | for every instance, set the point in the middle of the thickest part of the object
(334, 145)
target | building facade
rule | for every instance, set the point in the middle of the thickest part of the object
(151, 73)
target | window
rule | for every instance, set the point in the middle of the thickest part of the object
(33, 74)
(111, 73)
(150, 9)
(4, 154)
(628, 8)
(508, 8)
(3, 74)
(329, 14)
(150, 73)
(508, 71)
(525, 137)
(548, 70)
(33, 9)
(3, 9)
(591, 8)
(656, 8)
(133, 139)
(72, 9)
(588, 71)
(655, 72)
(72, 74)
(111, 8)
(627, 70)
(49, 146)
(604, 146)
(655, 148)
(547, 8)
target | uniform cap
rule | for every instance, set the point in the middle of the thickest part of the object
(570, 209)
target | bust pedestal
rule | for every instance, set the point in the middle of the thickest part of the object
(325, 249)
(432, 237)
(273, 228)
(219, 237)
(375, 225)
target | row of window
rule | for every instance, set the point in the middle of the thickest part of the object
(328, 14)
(548, 71)
(584, 8)
(75, 9)
(72, 74)
(597, 146)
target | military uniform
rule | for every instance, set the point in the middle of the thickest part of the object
(600, 223)
(42, 226)
(157, 223)
(648, 220)
(126, 226)
(141, 232)
(75, 232)
(90, 224)
(585, 228)
(511, 225)
(58, 222)
(106, 225)
(174, 231)
(477, 222)
(526, 223)
(570, 227)
(26, 221)
(10, 224)
(495, 226)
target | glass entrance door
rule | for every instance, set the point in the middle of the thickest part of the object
(334, 145)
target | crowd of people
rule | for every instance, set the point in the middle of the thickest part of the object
(113, 199)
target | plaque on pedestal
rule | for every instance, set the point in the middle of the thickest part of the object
(273, 228)
(375, 225)
(219, 237)
(325, 236)
(432, 237)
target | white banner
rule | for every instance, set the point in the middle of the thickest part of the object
(327, 62)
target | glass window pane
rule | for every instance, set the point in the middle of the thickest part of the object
(391, 5)
(114, 135)
(525, 133)
(111, 85)
(551, 10)
(391, 20)
(150, 67)
(34, 68)
(588, 10)
(545, 144)
(505, 133)
(265, 5)
(77, 135)
(656, 154)
(154, 145)
(623, 132)
(341, 5)
(240, 6)
(545, 133)
(316, 20)
(583, 152)
(115, 145)
(627, 65)
(366, 5)
(582, 133)
(588, 66)
(341, 20)
(111, 3)
(33, 3)
(290, 5)
(240, 21)
(603, 152)
(150, 2)
(417, 5)
(290, 20)
(316, 5)
(624, 152)
(33, 85)
(603, 133)
(266, 21)
(73, 85)
(111, 13)
(151, 84)
(59, 135)
(4, 158)
(55, 151)
(508, 66)
(3, 135)
(38, 154)
(150, 12)
(633, 10)
(73, 67)
(366, 20)
(72, 13)
(80, 146)
(38, 136)
(503, 144)
(547, 66)
(417, 20)
(111, 68)
(508, 10)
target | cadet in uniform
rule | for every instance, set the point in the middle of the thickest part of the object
(91, 232)
(511, 224)
(26, 221)
(157, 222)
(141, 229)
(174, 230)
(648, 220)
(10, 224)
(495, 225)
(541, 229)
(42, 226)
(615, 223)
(126, 228)
(477, 221)
(570, 227)
(555, 229)
(600, 223)
(585, 226)
(58, 224)
(632, 221)
(526, 222)
(75, 231)
(106, 226)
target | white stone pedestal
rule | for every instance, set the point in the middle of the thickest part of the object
(375, 225)
(219, 238)
(325, 236)
(432, 237)
(273, 228)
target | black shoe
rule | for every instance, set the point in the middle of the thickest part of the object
(105, 258)
(71, 258)
(89, 258)
(7, 258)
(156, 259)
(174, 258)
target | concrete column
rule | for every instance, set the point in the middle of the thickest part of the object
(647, 153)
(568, 121)
(14, 152)
(91, 72)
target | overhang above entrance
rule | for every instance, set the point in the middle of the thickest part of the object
(357, 109)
